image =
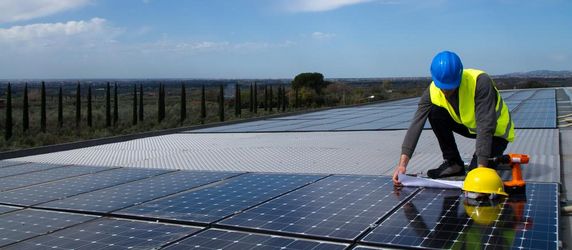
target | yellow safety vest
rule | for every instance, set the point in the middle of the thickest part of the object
(505, 126)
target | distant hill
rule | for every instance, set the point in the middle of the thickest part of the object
(540, 74)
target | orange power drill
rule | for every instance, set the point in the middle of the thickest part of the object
(516, 185)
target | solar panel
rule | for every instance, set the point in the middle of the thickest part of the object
(72, 186)
(28, 223)
(39, 177)
(443, 219)
(117, 197)
(25, 168)
(9, 163)
(6, 209)
(109, 234)
(338, 207)
(219, 201)
(224, 239)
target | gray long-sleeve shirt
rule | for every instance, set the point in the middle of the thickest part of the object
(485, 102)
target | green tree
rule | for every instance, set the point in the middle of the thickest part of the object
(108, 105)
(183, 103)
(60, 108)
(255, 98)
(43, 108)
(203, 104)
(279, 97)
(237, 105)
(251, 103)
(115, 106)
(89, 110)
(284, 99)
(296, 98)
(313, 81)
(25, 111)
(8, 133)
(78, 105)
(265, 97)
(270, 99)
(134, 122)
(221, 104)
(141, 109)
(161, 103)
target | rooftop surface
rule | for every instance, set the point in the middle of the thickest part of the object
(314, 181)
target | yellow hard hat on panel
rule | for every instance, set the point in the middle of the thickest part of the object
(485, 181)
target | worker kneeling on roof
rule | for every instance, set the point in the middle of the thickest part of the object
(464, 101)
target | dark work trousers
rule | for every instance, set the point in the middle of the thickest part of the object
(443, 126)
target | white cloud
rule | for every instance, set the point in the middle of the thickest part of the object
(320, 5)
(46, 30)
(209, 46)
(322, 36)
(21, 10)
(67, 36)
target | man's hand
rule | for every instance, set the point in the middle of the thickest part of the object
(400, 169)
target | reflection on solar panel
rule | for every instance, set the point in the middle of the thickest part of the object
(25, 168)
(223, 239)
(6, 209)
(117, 197)
(219, 201)
(442, 219)
(109, 234)
(72, 186)
(39, 177)
(339, 207)
(28, 223)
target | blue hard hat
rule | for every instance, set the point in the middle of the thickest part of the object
(446, 70)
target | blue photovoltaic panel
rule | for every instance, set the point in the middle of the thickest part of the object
(338, 207)
(219, 201)
(10, 163)
(443, 219)
(25, 168)
(224, 239)
(6, 209)
(28, 223)
(117, 197)
(72, 186)
(109, 234)
(39, 177)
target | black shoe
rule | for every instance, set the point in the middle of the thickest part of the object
(447, 169)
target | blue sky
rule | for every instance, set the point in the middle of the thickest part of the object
(277, 38)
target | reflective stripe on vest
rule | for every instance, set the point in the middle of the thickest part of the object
(504, 127)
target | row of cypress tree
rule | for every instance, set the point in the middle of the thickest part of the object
(138, 105)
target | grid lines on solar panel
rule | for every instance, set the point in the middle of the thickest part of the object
(435, 219)
(25, 168)
(117, 197)
(24, 224)
(109, 234)
(538, 228)
(224, 239)
(339, 207)
(23, 180)
(219, 201)
(72, 186)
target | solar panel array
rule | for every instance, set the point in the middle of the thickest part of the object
(529, 109)
(142, 208)
(442, 219)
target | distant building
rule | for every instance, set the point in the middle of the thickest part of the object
(2, 103)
